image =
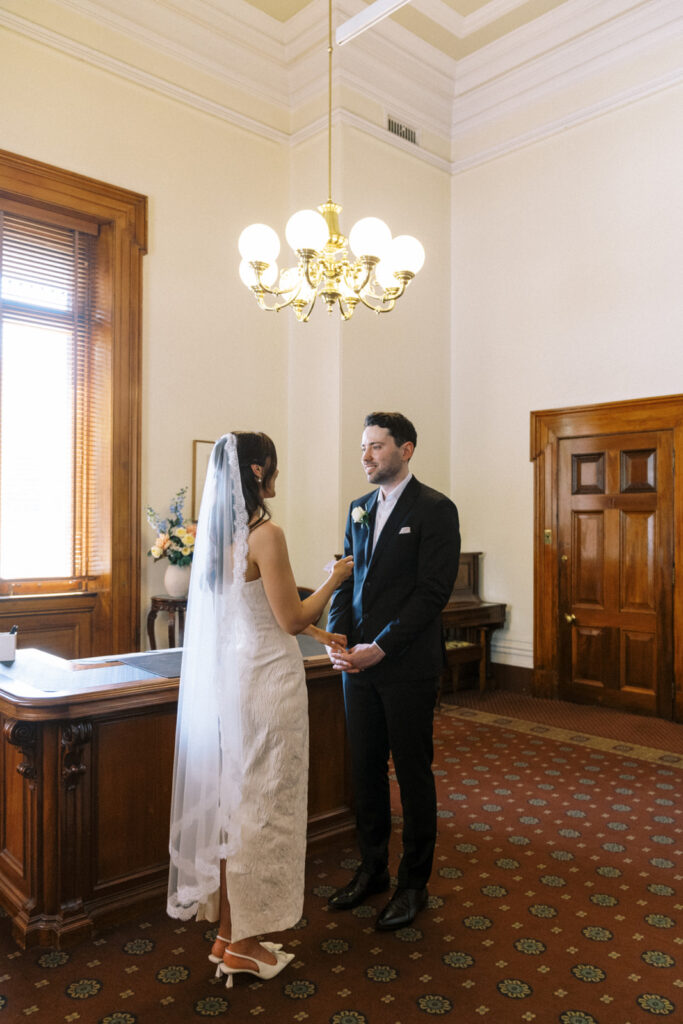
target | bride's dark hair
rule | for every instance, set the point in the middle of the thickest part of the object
(259, 449)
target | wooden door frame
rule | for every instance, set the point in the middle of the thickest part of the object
(548, 428)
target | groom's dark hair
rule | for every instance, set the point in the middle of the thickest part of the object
(398, 425)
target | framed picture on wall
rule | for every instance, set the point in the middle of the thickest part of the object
(201, 453)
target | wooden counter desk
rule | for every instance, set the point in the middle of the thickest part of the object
(85, 783)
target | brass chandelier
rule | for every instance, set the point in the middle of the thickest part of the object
(376, 278)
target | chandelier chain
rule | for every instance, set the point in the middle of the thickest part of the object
(325, 267)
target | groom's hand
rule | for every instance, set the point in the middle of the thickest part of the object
(355, 659)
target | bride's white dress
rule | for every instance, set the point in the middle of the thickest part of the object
(265, 882)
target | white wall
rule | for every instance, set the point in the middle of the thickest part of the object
(552, 278)
(566, 291)
(211, 362)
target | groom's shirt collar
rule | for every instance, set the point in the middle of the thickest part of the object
(393, 496)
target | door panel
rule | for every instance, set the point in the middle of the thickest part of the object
(637, 549)
(589, 559)
(590, 655)
(615, 542)
(638, 660)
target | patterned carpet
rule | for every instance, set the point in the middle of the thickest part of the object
(592, 719)
(555, 899)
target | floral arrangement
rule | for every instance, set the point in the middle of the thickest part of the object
(361, 515)
(175, 535)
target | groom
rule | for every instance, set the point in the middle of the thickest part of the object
(405, 542)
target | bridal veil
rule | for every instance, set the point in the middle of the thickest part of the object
(207, 773)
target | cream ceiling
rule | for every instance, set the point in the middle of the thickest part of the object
(455, 27)
(465, 80)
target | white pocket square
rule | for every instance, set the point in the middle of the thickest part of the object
(404, 529)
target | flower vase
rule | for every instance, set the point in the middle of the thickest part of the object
(177, 580)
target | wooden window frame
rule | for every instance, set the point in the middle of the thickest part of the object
(113, 611)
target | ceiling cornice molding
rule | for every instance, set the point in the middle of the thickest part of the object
(569, 27)
(634, 34)
(573, 120)
(129, 72)
(243, 48)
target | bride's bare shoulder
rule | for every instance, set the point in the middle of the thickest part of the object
(266, 534)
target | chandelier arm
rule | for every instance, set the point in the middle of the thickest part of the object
(313, 282)
(386, 301)
(263, 289)
(277, 306)
(380, 308)
(350, 271)
(304, 319)
(346, 312)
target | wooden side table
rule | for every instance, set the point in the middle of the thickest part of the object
(172, 606)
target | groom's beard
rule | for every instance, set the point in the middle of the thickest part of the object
(382, 475)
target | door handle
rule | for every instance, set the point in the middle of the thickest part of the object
(571, 619)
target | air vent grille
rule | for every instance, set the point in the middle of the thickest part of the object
(402, 130)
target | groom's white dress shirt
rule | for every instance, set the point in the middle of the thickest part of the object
(386, 505)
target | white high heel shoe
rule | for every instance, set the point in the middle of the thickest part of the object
(262, 970)
(272, 946)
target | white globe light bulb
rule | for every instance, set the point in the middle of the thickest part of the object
(259, 244)
(370, 237)
(407, 253)
(307, 229)
(384, 275)
(248, 275)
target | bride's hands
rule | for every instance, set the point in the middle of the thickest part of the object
(341, 569)
(327, 639)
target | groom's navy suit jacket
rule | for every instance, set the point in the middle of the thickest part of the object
(396, 593)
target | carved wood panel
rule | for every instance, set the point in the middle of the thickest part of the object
(638, 661)
(590, 655)
(637, 551)
(639, 471)
(588, 473)
(128, 844)
(588, 578)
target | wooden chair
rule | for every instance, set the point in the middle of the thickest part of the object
(460, 652)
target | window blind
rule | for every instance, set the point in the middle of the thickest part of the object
(51, 401)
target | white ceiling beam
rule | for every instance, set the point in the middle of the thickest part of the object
(366, 19)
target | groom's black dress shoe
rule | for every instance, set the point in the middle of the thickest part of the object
(362, 885)
(402, 909)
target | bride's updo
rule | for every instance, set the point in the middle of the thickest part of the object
(255, 448)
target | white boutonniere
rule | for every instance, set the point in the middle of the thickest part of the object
(360, 515)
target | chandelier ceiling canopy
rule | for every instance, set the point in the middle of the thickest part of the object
(370, 267)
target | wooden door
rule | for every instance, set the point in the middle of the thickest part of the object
(615, 546)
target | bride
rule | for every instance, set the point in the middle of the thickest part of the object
(239, 804)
